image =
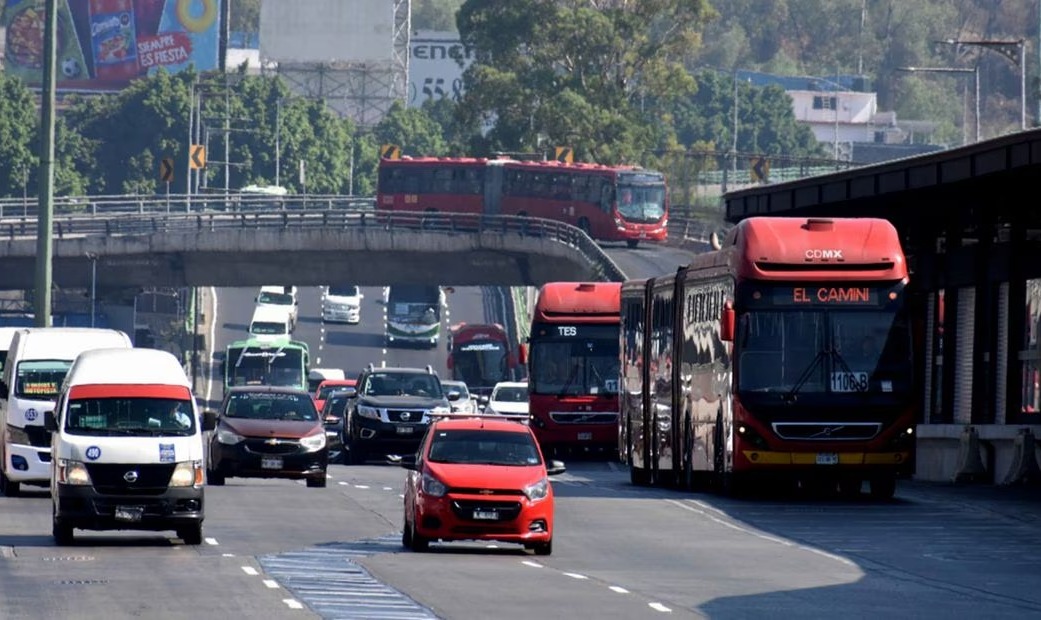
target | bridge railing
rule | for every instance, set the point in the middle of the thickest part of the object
(109, 224)
(182, 203)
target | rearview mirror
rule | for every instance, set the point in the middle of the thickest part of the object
(209, 420)
(555, 467)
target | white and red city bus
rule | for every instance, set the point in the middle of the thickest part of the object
(480, 355)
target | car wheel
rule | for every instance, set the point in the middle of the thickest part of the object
(60, 530)
(214, 478)
(191, 534)
(317, 483)
(406, 535)
(542, 548)
(9, 487)
(420, 543)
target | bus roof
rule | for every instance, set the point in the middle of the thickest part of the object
(465, 332)
(268, 344)
(480, 162)
(775, 248)
(579, 301)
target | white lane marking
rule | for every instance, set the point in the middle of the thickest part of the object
(576, 576)
(388, 488)
(318, 360)
(659, 607)
(212, 541)
(344, 483)
(249, 570)
(704, 511)
(619, 589)
(227, 555)
(271, 583)
(531, 564)
(361, 486)
(210, 341)
(293, 603)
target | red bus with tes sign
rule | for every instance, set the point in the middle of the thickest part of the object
(784, 355)
(573, 366)
(610, 203)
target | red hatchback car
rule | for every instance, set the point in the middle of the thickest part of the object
(479, 477)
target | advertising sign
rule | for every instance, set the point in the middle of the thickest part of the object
(435, 66)
(104, 44)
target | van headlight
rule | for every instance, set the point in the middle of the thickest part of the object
(313, 443)
(228, 437)
(538, 490)
(72, 473)
(187, 474)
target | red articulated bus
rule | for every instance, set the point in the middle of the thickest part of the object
(610, 203)
(786, 355)
(573, 366)
(480, 355)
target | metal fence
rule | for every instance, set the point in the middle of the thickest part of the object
(12, 208)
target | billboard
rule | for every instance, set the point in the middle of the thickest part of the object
(103, 44)
(325, 31)
(434, 69)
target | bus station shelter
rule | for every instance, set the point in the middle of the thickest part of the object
(971, 231)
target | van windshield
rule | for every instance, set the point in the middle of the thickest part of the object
(135, 416)
(40, 379)
(278, 299)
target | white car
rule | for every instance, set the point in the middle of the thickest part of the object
(342, 304)
(281, 296)
(466, 403)
(508, 397)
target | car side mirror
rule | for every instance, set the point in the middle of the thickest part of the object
(555, 467)
(209, 420)
(332, 420)
(350, 391)
(49, 421)
(408, 461)
(454, 395)
(483, 400)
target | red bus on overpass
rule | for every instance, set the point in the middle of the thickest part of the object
(573, 366)
(480, 355)
(784, 355)
(610, 203)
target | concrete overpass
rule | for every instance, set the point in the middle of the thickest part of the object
(306, 247)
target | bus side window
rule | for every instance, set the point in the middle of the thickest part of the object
(606, 198)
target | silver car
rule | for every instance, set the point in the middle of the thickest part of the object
(466, 403)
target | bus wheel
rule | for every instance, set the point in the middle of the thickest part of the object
(882, 486)
(632, 242)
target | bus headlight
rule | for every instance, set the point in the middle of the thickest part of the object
(187, 474)
(72, 473)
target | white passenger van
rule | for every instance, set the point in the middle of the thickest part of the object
(127, 441)
(6, 336)
(280, 297)
(270, 323)
(36, 365)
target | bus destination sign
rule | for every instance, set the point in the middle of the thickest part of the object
(828, 295)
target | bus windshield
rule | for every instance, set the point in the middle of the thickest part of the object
(641, 203)
(480, 363)
(824, 352)
(575, 360)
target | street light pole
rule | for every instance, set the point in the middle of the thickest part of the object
(975, 72)
(1014, 52)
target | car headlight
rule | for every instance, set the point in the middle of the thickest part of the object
(313, 443)
(187, 474)
(73, 473)
(228, 437)
(432, 486)
(369, 412)
(537, 490)
(440, 409)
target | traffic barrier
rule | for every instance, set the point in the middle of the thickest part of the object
(1024, 469)
(970, 458)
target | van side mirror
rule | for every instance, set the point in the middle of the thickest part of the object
(49, 421)
(209, 420)
(726, 323)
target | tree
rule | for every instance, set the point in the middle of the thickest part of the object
(413, 129)
(245, 15)
(19, 140)
(577, 73)
(438, 15)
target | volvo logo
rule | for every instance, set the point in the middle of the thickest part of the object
(406, 416)
(130, 476)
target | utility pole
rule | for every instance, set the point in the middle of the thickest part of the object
(974, 72)
(227, 136)
(1014, 52)
(44, 232)
(278, 141)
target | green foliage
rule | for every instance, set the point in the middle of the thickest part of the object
(245, 15)
(19, 142)
(413, 129)
(436, 15)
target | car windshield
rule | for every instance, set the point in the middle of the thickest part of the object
(326, 390)
(264, 327)
(157, 417)
(271, 406)
(343, 291)
(390, 384)
(335, 405)
(483, 447)
(279, 299)
(511, 395)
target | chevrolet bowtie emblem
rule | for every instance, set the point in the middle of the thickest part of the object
(486, 491)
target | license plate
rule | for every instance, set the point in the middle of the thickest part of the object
(486, 515)
(643, 235)
(404, 430)
(129, 513)
(827, 458)
(271, 462)
(585, 436)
